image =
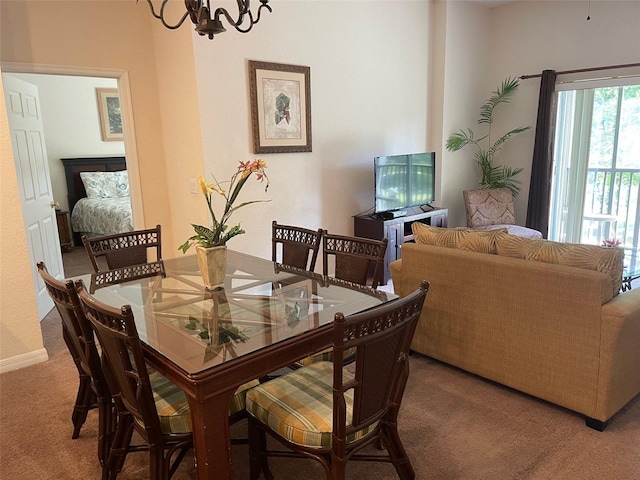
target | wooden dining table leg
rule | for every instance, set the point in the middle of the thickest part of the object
(211, 436)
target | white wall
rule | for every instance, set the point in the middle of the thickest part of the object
(369, 97)
(463, 46)
(71, 123)
(528, 37)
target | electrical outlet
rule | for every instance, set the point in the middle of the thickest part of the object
(193, 185)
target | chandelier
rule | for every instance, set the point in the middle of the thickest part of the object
(199, 11)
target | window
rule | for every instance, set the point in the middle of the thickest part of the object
(596, 177)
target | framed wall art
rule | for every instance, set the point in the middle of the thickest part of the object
(280, 107)
(110, 115)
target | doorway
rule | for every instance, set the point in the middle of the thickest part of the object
(122, 82)
(71, 124)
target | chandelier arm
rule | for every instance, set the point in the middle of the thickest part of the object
(243, 6)
(223, 11)
(251, 23)
(238, 24)
(160, 16)
(257, 17)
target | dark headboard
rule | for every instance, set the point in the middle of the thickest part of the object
(73, 167)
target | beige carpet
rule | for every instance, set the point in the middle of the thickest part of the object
(454, 426)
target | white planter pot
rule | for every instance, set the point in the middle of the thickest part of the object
(213, 265)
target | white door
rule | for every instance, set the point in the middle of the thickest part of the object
(34, 183)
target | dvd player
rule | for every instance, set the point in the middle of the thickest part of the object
(390, 215)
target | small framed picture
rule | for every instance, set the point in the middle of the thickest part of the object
(110, 115)
(280, 107)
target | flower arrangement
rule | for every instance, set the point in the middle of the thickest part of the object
(220, 233)
(611, 243)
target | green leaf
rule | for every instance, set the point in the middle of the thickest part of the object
(502, 94)
(492, 176)
(185, 246)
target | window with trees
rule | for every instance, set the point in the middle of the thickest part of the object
(596, 177)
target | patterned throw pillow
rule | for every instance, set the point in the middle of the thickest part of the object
(106, 184)
(463, 238)
(590, 257)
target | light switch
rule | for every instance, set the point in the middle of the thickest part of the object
(193, 185)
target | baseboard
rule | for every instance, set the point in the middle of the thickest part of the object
(24, 360)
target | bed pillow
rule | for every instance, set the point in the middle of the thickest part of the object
(106, 184)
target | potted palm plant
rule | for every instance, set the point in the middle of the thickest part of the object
(493, 176)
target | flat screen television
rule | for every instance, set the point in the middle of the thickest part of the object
(403, 181)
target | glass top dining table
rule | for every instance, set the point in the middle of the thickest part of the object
(209, 342)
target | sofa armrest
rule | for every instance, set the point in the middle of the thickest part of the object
(395, 268)
(619, 377)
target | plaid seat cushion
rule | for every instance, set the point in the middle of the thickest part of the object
(299, 405)
(173, 408)
(327, 356)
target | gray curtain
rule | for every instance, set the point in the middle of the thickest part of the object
(541, 168)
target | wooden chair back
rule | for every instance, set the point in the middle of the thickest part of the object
(295, 246)
(124, 249)
(118, 336)
(382, 337)
(355, 259)
(80, 340)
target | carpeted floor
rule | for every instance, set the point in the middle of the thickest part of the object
(454, 425)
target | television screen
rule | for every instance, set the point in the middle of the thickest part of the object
(404, 181)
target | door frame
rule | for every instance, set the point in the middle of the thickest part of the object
(124, 90)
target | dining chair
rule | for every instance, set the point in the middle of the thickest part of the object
(148, 403)
(355, 259)
(295, 246)
(330, 414)
(93, 390)
(127, 249)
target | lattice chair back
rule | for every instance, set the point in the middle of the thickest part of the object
(79, 337)
(382, 338)
(139, 397)
(126, 256)
(118, 336)
(124, 249)
(295, 246)
(355, 259)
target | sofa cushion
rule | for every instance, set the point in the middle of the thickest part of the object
(590, 257)
(460, 237)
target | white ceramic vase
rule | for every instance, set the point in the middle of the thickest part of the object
(213, 265)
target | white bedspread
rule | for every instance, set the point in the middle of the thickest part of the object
(102, 216)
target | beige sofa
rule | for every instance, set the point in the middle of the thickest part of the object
(554, 331)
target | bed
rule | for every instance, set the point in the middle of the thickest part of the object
(98, 196)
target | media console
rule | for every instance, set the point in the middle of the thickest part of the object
(396, 230)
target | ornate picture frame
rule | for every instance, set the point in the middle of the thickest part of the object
(110, 114)
(280, 107)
